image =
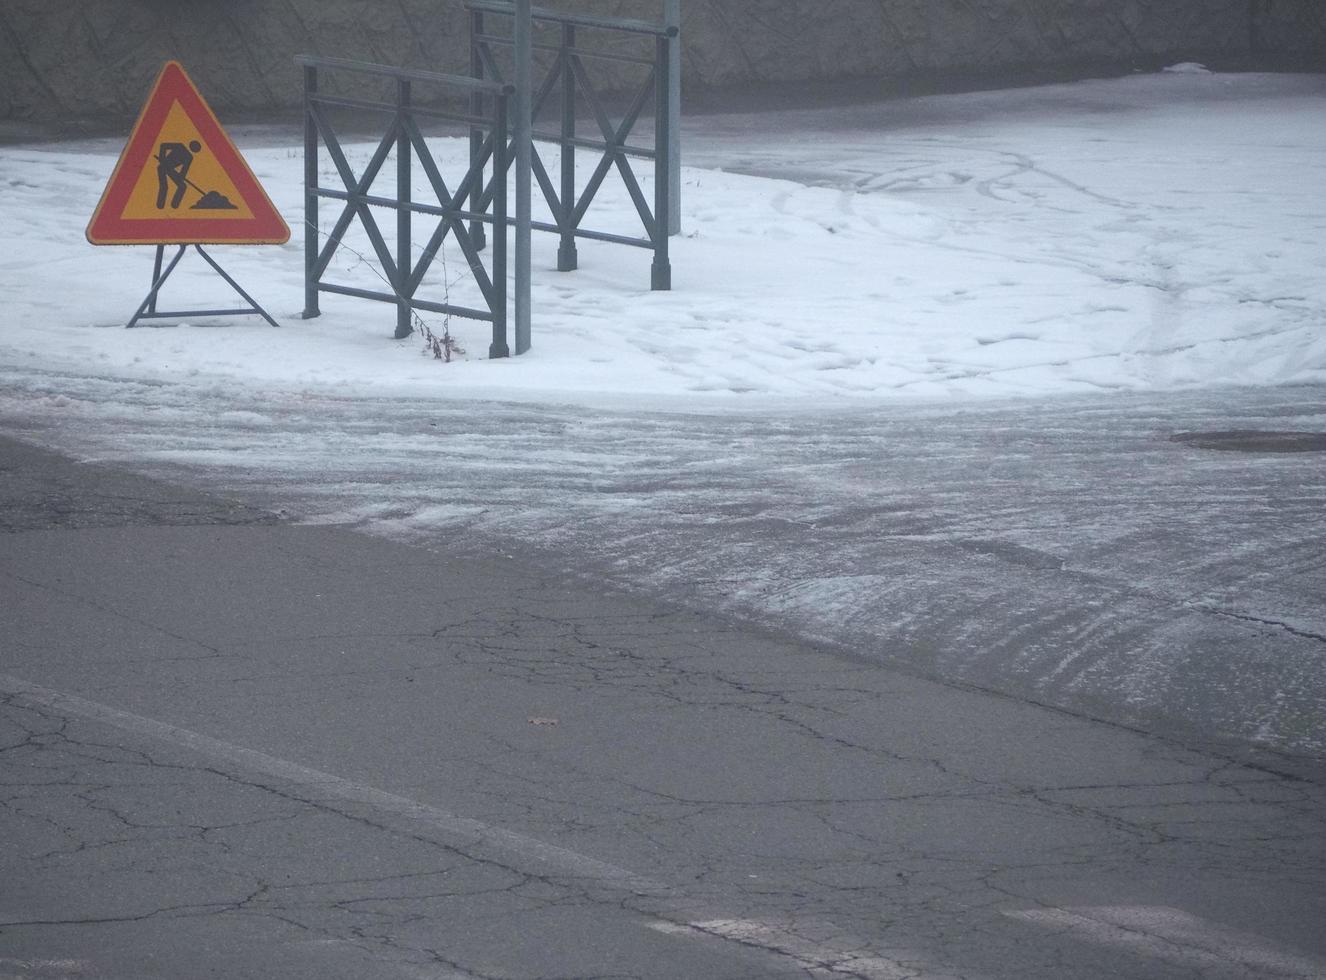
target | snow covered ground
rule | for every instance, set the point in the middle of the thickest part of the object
(910, 394)
(1103, 237)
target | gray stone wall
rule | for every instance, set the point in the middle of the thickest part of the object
(65, 59)
(1290, 27)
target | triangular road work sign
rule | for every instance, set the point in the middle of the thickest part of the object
(181, 181)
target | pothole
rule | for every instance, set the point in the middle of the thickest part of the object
(1254, 441)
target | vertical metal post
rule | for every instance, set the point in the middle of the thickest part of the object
(661, 273)
(672, 19)
(524, 37)
(156, 279)
(404, 248)
(311, 242)
(501, 122)
(567, 258)
(477, 229)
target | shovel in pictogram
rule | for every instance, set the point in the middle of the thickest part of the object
(173, 164)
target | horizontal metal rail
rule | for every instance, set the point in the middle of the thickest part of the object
(596, 236)
(582, 52)
(577, 20)
(421, 304)
(396, 204)
(404, 74)
(483, 216)
(587, 144)
(180, 314)
(346, 102)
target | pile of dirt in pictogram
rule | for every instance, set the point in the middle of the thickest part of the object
(212, 201)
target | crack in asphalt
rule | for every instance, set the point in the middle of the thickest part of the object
(900, 874)
(1260, 620)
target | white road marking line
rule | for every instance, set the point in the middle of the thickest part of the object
(842, 957)
(321, 785)
(1173, 935)
(34, 969)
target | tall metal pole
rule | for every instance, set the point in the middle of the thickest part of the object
(672, 18)
(522, 134)
(661, 273)
(567, 256)
(404, 247)
(312, 244)
(502, 115)
(478, 232)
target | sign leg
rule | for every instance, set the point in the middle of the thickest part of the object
(233, 285)
(156, 277)
(149, 305)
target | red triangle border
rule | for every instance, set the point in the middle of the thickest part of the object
(107, 227)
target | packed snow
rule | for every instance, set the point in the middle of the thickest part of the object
(910, 394)
(1133, 244)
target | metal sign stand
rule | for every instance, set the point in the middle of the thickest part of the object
(147, 310)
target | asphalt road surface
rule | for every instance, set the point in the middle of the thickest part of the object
(1067, 551)
(238, 747)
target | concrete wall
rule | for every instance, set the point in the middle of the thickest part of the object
(1290, 27)
(63, 59)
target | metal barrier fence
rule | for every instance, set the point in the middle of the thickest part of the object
(569, 75)
(402, 273)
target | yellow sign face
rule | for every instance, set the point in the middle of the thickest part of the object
(180, 180)
(191, 179)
